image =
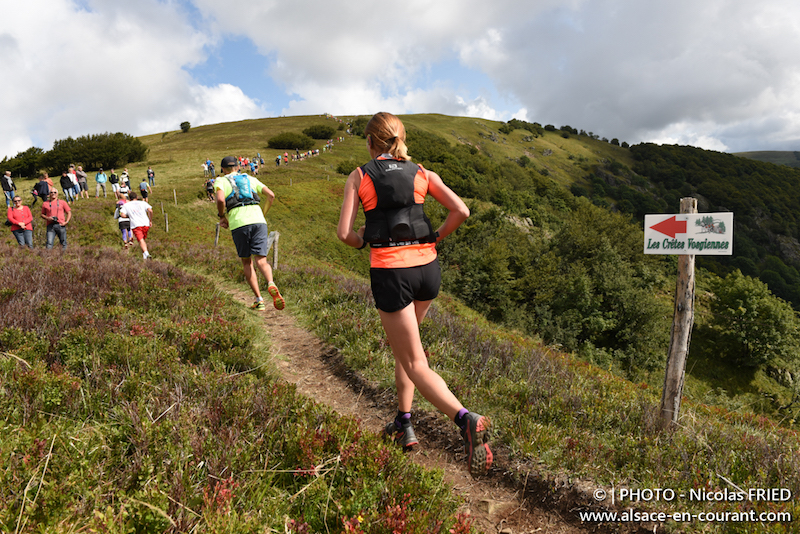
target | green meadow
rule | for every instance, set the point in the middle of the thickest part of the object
(140, 397)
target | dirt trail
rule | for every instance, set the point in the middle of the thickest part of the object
(495, 503)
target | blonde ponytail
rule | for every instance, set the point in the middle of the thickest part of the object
(388, 135)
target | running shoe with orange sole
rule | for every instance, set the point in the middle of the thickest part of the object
(277, 299)
(476, 444)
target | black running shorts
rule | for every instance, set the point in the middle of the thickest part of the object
(251, 240)
(394, 289)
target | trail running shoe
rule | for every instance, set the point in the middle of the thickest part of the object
(258, 305)
(476, 444)
(277, 299)
(403, 436)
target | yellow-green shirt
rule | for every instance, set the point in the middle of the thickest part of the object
(243, 215)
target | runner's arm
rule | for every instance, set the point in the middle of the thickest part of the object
(220, 201)
(348, 214)
(270, 196)
(458, 211)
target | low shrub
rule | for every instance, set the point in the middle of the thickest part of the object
(320, 131)
(291, 141)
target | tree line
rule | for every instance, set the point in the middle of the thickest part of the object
(106, 150)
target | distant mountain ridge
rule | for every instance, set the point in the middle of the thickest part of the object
(778, 157)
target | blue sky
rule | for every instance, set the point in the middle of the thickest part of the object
(719, 74)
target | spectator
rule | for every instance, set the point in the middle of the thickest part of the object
(151, 176)
(9, 189)
(113, 179)
(41, 190)
(140, 214)
(76, 187)
(238, 209)
(21, 222)
(49, 182)
(100, 179)
(83, 182)
(57, 214)
(66, 187)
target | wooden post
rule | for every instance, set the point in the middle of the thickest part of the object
(275, 251)
(216, 236)
(175, 197)
(166, 222)
(681, 333)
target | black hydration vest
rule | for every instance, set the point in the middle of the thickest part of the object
(396, 220)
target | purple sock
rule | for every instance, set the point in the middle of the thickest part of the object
(459, 418)
(403, 418)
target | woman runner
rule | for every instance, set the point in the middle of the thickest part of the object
(405, 274)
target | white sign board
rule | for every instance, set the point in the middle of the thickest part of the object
(689, 234)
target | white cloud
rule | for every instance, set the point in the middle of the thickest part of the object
(630, 69)
(721, 72)
(355, 53)
(205, 105)
(103, 66)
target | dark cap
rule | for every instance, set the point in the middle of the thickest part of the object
(229, 161)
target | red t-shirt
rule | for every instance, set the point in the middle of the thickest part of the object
(59, 209)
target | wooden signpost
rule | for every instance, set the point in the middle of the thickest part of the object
(686, 234)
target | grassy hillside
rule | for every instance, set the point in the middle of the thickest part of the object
(776, 157)
(136, 403)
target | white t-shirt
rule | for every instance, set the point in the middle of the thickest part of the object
(136, 211)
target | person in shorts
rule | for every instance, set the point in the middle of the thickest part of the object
(210, 188)
(237, 201)
(140, 215)
(405, 274)
(83, 182)
(123, 222)
(144, 190)
(113, 179)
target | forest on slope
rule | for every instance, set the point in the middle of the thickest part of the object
(556, 251)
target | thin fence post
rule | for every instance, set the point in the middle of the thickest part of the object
(216, 236)
(166, 222)
(681, 333)
(275, 251)
(175, 196)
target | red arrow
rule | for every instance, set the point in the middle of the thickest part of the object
(670, 227)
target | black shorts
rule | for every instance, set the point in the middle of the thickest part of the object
(251, 240)
(394, 289)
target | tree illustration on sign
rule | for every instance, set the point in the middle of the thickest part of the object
(710, 225)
